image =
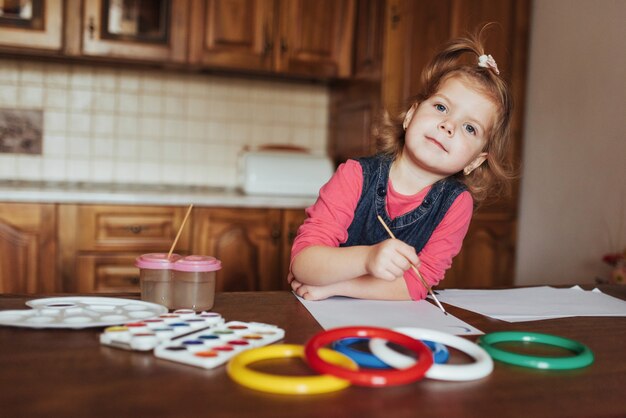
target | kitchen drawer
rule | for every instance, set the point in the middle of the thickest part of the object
(132, 228)
(106, 273)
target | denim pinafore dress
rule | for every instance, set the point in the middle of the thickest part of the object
(415, 227)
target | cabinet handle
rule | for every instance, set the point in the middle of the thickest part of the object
(135, 229)
(395, 17)
(91, 27)
(134, 280)
(275, 233)
(268, 45)
(283, 46)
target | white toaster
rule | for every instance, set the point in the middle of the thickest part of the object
(291, 173)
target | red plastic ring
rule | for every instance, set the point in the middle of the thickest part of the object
(369, 377)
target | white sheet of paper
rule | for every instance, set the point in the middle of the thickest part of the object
(534, 303)
(343, 312)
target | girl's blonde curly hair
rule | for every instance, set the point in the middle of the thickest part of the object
(494, 174)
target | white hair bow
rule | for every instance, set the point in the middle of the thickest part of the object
(487, 61)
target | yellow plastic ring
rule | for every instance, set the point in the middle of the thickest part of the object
(238, 370)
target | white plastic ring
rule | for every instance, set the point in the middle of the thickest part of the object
(482, 366)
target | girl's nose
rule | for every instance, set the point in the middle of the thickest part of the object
(446, 127)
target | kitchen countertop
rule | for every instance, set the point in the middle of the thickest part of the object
(142, 194)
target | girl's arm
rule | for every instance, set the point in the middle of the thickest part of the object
(320, 265)
(365, 287)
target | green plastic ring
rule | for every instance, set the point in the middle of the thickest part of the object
(583, 357)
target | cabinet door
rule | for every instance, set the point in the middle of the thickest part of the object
(368, 44)
(235, 34)
(36, 24)
(292, 219)
(315, 37)
(246, 241)
(107, 273)
(148, 30)
(28, 248)
(487, 257)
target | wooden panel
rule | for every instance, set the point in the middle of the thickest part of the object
(28, 248)
(292, 219)
(368, 43)
(246, 241)
(316, 37)
(233, 33)
(107, 273)
(487, 257)
(49, 38)
(131, 228)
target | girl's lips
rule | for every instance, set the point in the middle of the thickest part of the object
(433, 140)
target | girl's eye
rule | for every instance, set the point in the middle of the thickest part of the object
(440, 107)
(470, 129)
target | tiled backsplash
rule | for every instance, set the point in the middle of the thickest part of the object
(150, 126)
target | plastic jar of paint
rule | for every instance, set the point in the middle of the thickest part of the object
(155, 275)
(194, 282)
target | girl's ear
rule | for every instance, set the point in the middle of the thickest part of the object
(475, 163)
(409, 116)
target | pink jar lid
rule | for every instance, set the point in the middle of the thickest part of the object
(156, 261)
(197, 263)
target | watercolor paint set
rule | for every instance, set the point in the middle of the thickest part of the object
(147, 334)
(215, 346)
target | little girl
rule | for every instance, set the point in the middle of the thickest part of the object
(443, 155)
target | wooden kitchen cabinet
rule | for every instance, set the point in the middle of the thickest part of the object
(28, 250)
(253, 244)
(149, 31)
(298, 37)
(412, 32)
(34, 26)
(99, 243)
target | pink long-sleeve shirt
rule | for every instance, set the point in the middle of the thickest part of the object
(330, 216)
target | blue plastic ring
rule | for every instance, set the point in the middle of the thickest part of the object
(369, 360)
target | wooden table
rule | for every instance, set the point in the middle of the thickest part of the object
(66, 373)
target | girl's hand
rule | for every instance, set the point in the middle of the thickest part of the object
(389, 259)
(310, 292)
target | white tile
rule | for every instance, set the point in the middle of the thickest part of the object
(150, 105)
(102, 124)
(54, 146)
(151, 82)
(103, 149)
(127, 126)
(9, 71)
(8, 166)
(77, 169)
(78, 147)
(104, 102)
(28, 167)
(31, 73)
(129, 82)
(30, 97)
(81, 76)
(126, 172)
(80, 100)
(175, 106)
(149, 173)
(150, 127)
(105, 79)
(55, 121)
(8, 96)
(149, 151)
(128, 103)
(54, 169)
(102, 171)
(57, 75)
(56, 98)
(79, 123)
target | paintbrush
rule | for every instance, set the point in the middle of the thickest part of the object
(430, 290)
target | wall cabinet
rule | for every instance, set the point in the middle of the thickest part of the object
(287, 36)
(28, 248)
(36, 25)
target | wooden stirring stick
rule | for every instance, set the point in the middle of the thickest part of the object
(182, 225)
(430, 290)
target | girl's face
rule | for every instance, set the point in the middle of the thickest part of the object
(447, 133)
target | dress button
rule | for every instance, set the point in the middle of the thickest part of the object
(380, 192)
